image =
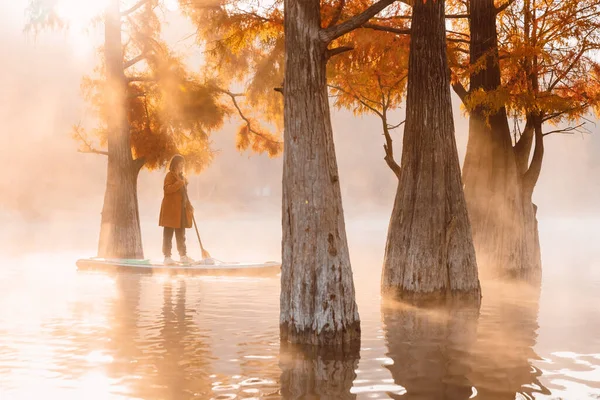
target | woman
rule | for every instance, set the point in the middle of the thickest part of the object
(175, 211)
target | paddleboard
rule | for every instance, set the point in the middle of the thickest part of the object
(208, 267)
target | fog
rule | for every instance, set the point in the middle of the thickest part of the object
(51, 195)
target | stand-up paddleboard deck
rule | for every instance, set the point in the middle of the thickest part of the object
(205, 267)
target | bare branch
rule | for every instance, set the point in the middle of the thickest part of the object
(133, 61)
(338, 50)
(131, 79)
(88, 148)
(334, 32)
(449, 16)
(234, 97)
(569, 130)
(134, 8)
(384, 28)
(362, 99)
(390, 127)
(92, 151)
(389, 149)
(456, 40)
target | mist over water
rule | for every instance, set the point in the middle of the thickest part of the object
(75, 335)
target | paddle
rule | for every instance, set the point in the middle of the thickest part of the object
(205, 254)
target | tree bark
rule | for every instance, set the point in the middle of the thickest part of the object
(429, 250)
(317, 291)
(120, 233)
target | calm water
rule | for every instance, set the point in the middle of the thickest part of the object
(73, 335)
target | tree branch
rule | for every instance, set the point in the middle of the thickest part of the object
(338, 50)
(338, 13)
(456, 40)
(133, 61)
(234, 97)
(334, 32)
(522, 148)
(131, 79)
(533, 173)
(460, 90)
(388, 148)
(134, 8)
(92, 151)
(504, 6)
(384, 28)
(89, 149)
(138, 164)
(569, 130)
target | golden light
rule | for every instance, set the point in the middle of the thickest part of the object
(171, 5)
(79, 13)
(79, 16)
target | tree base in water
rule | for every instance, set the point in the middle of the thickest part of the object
(347, 338)
(436, 298)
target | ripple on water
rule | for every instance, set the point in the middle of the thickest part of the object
(72, 336)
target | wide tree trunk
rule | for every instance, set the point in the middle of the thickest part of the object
(429, 250)
(120, 233)
(317, 290)
(493, 180)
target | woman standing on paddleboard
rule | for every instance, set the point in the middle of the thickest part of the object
(176, 211)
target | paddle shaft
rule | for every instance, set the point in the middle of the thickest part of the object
(205, 253)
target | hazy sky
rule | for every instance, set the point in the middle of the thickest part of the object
(43, 175)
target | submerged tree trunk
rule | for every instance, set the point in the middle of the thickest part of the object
(120, 233)
(429, 250)
(490, 174)
(317, 290)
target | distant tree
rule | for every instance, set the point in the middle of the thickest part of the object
(531, 61)
(149, 107)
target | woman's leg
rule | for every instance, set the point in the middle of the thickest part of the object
(168, 241)
(180, 236)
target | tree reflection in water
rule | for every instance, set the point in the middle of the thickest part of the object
(457, 352)
(313, 373)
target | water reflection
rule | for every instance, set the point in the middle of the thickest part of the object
(430, 349)
(86, 336)
(503, 356)
(158, 353)
(458, 352)
(311, 373)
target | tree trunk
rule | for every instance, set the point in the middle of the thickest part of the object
(531, 243)
(429, 250)
(490, 172)
(317, 290)
(120, 233)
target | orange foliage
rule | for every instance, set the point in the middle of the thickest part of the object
(548, 54)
